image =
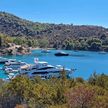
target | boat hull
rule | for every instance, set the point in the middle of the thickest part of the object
(58, 54)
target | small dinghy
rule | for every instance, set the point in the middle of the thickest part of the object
(45, 51)
(102, 52)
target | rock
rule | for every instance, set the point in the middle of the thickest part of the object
(15, 50)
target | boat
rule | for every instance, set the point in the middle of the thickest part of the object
(102, 52)
(45, 51)
(61, 54)
(9, 61)
(10, 70)
(13, 66)
(3, 60)
(10, 76)
(43, 69)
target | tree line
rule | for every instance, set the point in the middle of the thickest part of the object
(82, 43)
(62, 92)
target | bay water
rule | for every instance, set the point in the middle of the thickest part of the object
(85, 62)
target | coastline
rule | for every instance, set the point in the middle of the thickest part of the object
(100, 51)
(38, 48)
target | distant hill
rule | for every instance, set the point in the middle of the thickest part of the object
(15, 26)
(59, 36)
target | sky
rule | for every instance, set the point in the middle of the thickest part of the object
(80, 12)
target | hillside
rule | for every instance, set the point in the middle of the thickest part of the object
(15, 26)
(59, 36)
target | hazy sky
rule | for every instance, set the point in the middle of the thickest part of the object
(91, 12)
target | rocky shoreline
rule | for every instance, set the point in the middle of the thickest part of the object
(13, 49)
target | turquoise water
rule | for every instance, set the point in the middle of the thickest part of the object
(84, 61)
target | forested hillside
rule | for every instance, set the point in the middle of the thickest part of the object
(15, 26)
(63, 36)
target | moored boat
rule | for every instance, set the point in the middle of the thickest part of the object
(43, 69)
(61, 54)
(102, 52)
(10, 70)
(3, 60)
(13, 66)
(45, 51)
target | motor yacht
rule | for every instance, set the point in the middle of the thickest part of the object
(61, 54)
(43, 69)
(13, 66)
(3, 60)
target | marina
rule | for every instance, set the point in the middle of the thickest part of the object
(43, 69)
(13, 68)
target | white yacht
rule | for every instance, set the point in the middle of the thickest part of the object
(45, 51)
(3, 60)
(13, 65)
(10, 76)
(43, 69)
